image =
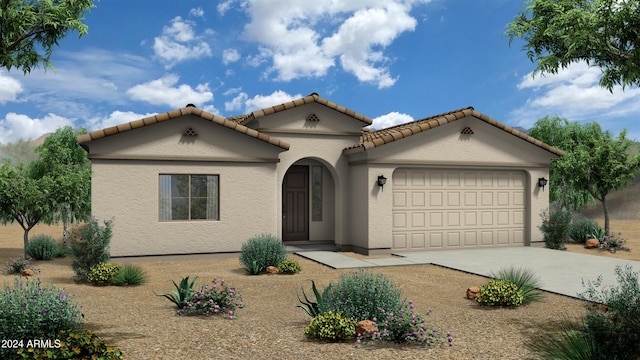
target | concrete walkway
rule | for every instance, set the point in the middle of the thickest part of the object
(561, 272)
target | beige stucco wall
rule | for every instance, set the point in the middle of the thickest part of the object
(125, 187)
(487, 148)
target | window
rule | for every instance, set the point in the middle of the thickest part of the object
(189, 197)
(316, 193)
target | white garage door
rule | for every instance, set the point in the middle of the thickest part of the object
(448, 209)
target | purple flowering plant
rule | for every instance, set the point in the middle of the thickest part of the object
(216, 298)
(405, 326)
(614, 243)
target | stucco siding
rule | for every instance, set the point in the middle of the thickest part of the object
(128, 192)
(295, 120)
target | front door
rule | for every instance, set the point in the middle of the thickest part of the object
(295, 204)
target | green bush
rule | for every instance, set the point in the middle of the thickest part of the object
(129, 275)
(583, 229)
(525, 281)
(261, 251)
(616, 331)
(361, 295)
(215, 299)
(31, 311)
(555, 227)
(571, 342)
(75, 345)
(331, 326)
(500, 293)
(42, 247)
(289, 266)
(102, 274)
(89, 246)
(62, 251)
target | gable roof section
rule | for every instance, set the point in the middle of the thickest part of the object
(188, 110)
(371, 139)
(313, 98)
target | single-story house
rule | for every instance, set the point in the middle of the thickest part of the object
(189, 181)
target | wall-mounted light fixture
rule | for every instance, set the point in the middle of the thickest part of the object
(542, 182)
(381, 181)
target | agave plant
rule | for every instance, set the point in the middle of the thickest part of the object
(182, 293)
(311, 307)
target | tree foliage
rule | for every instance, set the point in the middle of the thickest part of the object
(30, 29)
(595, 162)
(55, 187)
(603, 33)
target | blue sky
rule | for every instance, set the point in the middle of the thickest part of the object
(391, 60)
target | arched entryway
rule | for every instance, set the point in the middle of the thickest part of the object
(308, 202)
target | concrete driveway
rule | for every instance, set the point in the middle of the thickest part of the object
(561, 272)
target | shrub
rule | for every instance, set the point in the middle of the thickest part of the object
(261, 251)
(182, 293)
(31, 311)
(103, 273)
(616, 331)
(214, 299)
(614, 243)
(405, 326)
(15, 266)
(525, 281)
(75, 345)
(584, 229)
(571, 342)
(311, 307)
(129, 275)
(555, 227)
(42, 247)
(289, 266)
(331, 326)
(361, 295)
(62, 251)
(89, 245)
(500, 293)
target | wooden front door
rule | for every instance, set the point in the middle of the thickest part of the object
(295, 204)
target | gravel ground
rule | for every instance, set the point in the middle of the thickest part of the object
(144, 326)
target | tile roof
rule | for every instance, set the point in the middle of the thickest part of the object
(371, 139)
(188, 110)
(312, 98)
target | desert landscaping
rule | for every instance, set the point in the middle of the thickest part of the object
(144, 326)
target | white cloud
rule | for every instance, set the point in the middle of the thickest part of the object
(164, 92)
(390, 119)
(230, 56)
(196, 12)
(305, 38)
(19, 126)
(10, 88)
(179, 42)
(573, 93)
(242, 101)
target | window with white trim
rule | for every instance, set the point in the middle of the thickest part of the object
(189, 197)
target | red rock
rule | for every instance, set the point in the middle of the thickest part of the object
(592, 244)
(272, 270)
(472, 292)
(27, 272)
(366, 328)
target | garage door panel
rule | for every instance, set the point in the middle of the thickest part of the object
(435, 208)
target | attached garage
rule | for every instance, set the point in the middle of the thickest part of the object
(454, 208)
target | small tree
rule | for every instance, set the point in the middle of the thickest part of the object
(595, 163)
(62, 158)
(89, 246)
(24, 198)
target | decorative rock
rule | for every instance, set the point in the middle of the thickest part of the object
(27, 272)
(592, 244)
(472, 292)
(272, 270)
(366, 328)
